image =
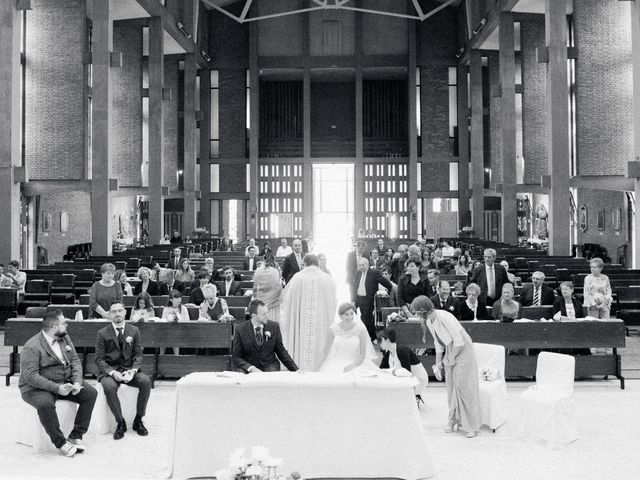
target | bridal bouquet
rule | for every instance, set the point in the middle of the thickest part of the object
(226, 318)
(489, 374)
(258, 465)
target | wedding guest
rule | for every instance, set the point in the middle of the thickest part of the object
(473, 308)
(266, 249)
(411, 285)
(510, 276)
(119, 360)
(322, 263)
(120, 276)
(50, 370)
(148, 285)
(175, 311)
(15, 277)
(213, 307)
(365, 285)
(175, 237)
(537, 293)
(185, 274)
(489, 277)
(267, 287)
(463, 266)
(385, 271)
(388, 256)
(400, 356)
(196, 296)
(454, 355)
(597, 291)
(443, 300)
(252, 244)
(104, 292)
(567, 307)
(143, 308)
(506, 309)
(427, 262)
(165, 240)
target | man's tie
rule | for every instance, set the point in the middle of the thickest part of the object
(536, 296)
(259, 339)
(120, 335)
(491, 283)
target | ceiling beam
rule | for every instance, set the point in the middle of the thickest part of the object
(491, 22)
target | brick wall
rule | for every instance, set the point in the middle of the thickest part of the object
(495, 132)
(78, 207)
(534, 114)
(385, 35)
(437, 36)
(604, 86)
(233, 114)
(606, 200)
(126, 144)
(171, 139)
(229, 41)
(54, 108)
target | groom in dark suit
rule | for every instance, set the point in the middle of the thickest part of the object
(257, 343)
(50, 370)
(119, 360)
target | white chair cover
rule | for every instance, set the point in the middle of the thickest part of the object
(33, 433)
(546, 408)
(493, 393)
(102, 420)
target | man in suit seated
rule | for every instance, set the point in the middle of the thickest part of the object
(50, 370)
(365, 285)
(537, 293)
(119, 360)
(293, 262)
(229, 287)
(250, 263)
(443, 300)
(257, 343)
(489, 277)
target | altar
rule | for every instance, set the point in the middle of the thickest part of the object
(321, 425)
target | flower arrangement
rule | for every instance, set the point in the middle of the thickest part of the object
(258, 465)
(396, 317)
(226, 318)
(489, 374)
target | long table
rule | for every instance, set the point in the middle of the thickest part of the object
(154, 335)
(581, 333)
(321, 425)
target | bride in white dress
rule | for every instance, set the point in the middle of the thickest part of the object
(349, 348)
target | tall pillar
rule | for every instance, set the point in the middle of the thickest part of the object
(414, 211)
(205, 148)
(102, 37)
(10, 155)
(558, 128)
(635, 59)
(156, 130)
(477, 144)
(463, 146)
(508, 128)
(307, 170)
(359, 166)
(189, 221)
(254, 131)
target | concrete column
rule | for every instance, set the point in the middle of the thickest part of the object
(635, 58)
(254, 95)
(205, 148)
(558, 128)
(10, 155)
(414, 209)
(508, 128)
(102, 35)
(358, 173)
(156, 130)
(463, 147)
(307, 169)
(189, 221)
(477, 144)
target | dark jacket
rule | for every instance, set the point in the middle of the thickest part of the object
(111, 356)
(247, 352)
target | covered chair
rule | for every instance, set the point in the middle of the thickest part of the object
(493, 388)
(546, 410)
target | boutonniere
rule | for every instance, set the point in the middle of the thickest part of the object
(129, 340)
(67, 348)
(451, 308)
(267, 335)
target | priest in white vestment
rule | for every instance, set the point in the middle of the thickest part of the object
(309, 309)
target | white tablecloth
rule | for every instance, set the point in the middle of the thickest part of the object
(321, 425)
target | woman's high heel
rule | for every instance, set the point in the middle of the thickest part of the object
(419, 400)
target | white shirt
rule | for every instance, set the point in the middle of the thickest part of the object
(227, 286)
(251, 260)
(491, 273)
(362, 291)
(284, 251)
(55, 346)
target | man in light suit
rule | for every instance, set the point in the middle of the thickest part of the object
(250, 263)
(365, 284)
(229, 287)
(537, 293)
(443, 300)
(257, 343)
(490, 277)
(293, 262)
(50, 370)
(119, 360)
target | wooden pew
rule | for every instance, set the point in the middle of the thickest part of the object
(154, 335)
(536, 335)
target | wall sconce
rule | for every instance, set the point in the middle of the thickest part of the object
(253, 211)
(414, 211)
(480, 26)
(180, 26)
(205, 55)
(460, 52)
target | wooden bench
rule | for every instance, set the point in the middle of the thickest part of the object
(536, 335)
(69, 311)
(154, 335)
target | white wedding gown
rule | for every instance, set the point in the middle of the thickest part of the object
(346, 348)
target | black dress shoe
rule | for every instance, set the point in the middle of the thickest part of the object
(139, 427)
(120, 429)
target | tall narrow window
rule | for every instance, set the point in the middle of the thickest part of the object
(418, 109)
(571, 79)
(215, 114)
(453, 102)
(248, 114)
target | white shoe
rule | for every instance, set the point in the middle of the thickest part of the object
(78, 444)
(68, 449)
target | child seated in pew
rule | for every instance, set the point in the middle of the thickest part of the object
(175, 311)
(142, 310)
